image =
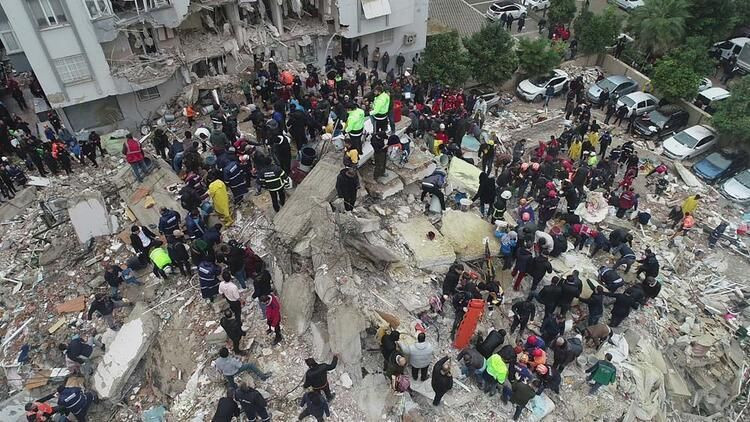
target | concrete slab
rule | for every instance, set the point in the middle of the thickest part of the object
(12, 409)
(428, 254)
(463, 176)
(293, 220)
(321, 349)
(122, 356)
(156, 182)
(90, 218)
(371, 396)
(17, 205)
(456, 397)
(345, 323)
(384, 187)
(297, 300)
(466, 232)
(419, 166)
(331, 261)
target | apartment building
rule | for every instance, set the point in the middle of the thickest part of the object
(114, 63)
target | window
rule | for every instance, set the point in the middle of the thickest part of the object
(384, 37)
(375, 8)
(98, 8)
(10, 42)
(148, 94)
(72, 69)
(47, 12)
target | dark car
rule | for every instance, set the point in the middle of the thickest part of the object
(661, 123)
(720, 165)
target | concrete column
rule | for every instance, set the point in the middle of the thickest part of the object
(276, 15)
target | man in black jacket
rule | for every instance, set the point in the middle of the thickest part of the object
(317, 376)
(442, 380)
(595, 304)
(253, 403)
(141, 239)
(571, 289)
(106, 306)
(550, 295)
(233, 327)
(621, 308)
(262, 287)
(179, 253)
(347, 184)
(538, 267)
(450, 282)
(226, 409)
(523, 312)
(78, 353)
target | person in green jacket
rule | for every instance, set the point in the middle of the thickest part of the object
(380, 107)
(160, 258)
(602, 373)
(355, 124)
(495, 373)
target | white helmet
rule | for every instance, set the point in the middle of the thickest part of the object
(506, 194)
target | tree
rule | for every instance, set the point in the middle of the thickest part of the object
(561, 12)
(444, 60)
(675, 80)
(694, 53)
(596, 32)
(491, 55)
(537, 57)
(732, 116)
(659, 25)
(713, 19)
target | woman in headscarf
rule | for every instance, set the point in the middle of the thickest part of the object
(507, 248)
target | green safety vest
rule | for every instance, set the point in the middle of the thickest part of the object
(160, 258)
(497, 368)
(356, 120)
(380, 105)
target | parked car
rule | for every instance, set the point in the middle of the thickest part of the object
(708, 98)
(627, 4)
(497, 9)
(719, 165)
(617, 85)
(738, 187)
(490, 96)
(728, 48)
(536, 5)
(638, 102)
(689, 143)
(662, 122)
(533, 89)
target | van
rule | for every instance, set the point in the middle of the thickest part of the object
(728, 48)
(707, 99)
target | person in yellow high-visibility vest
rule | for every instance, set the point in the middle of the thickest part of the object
(380, 107)
(160, 258)
(355, 124)
(217, 191)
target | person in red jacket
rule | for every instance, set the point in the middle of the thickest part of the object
(627, 200)
(133, 153)
(273, 316)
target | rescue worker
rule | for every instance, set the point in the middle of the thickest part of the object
(500, 206)
(161, 260)
(208, 272)
(73, 400)
(433, 184)
(217, 191)
(272, 178)
(380, 107)
(133, 153)
(235, 178)
(179, 253)
(355, 125)
(168, 222)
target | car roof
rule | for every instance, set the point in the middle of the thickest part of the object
(740, 40)
(618, 79)
(700, 131)
(669, 109)
(560, 72)
(503, 3)
(715, 93)
(640, 95)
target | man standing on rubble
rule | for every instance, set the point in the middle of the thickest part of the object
(217, 191)
(168, 222)
(273, 316)
(379, 145)
(78, 353)
(347, 184)
(105, 306)
(272, 178)
(231, 293)
(230, 367)
(379, 110)
(602, 373)
(233, 327)
(208, 272)
(316, 376)
(133, 153)
(566, 351)
(420, 356)
(355, 124)
(523, 312)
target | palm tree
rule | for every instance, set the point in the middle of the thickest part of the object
(659, 25)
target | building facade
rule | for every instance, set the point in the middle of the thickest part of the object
(110, 64)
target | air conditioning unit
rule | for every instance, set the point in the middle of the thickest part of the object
(410, 38)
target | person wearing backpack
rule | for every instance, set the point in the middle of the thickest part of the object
(602, 373)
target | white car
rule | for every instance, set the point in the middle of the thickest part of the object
(638, 102)
(533, 89)
(707, 99)
(738, 187)
(628, 4)
(508, 7)
(536, 5)
(689, 143)
(728, 48)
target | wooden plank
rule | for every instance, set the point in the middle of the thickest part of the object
(40, 379)
(56, 326)
(74, 305)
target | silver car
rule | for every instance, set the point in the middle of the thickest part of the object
(617, 85)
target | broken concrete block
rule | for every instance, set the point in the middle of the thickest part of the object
(345, 323)
(466, 232)
(383, 187)
(297, 300)
(367, 225)
(346, 381)
(156, 182)
(419, 166)
(321, 348)
(122, 356)
(371, 396)
(217, 336)
(330, 260)
(463, 176)
(15, 206)
(293, 220)
(376, 254)
(428, 254)
(96, 281)
(456, 397)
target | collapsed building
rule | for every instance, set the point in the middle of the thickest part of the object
(107, 64)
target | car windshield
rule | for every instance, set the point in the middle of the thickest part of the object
(719, 161)
(703, 100)
(606, 83)
(685, 139)
(657, 119)
(541, 81)
(744, 178)
(628, 101)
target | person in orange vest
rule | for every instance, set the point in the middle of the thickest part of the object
(190, 114)
(133, 153)
(39, 411)
(60, 154)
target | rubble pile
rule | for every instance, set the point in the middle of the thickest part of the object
(589, 74)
